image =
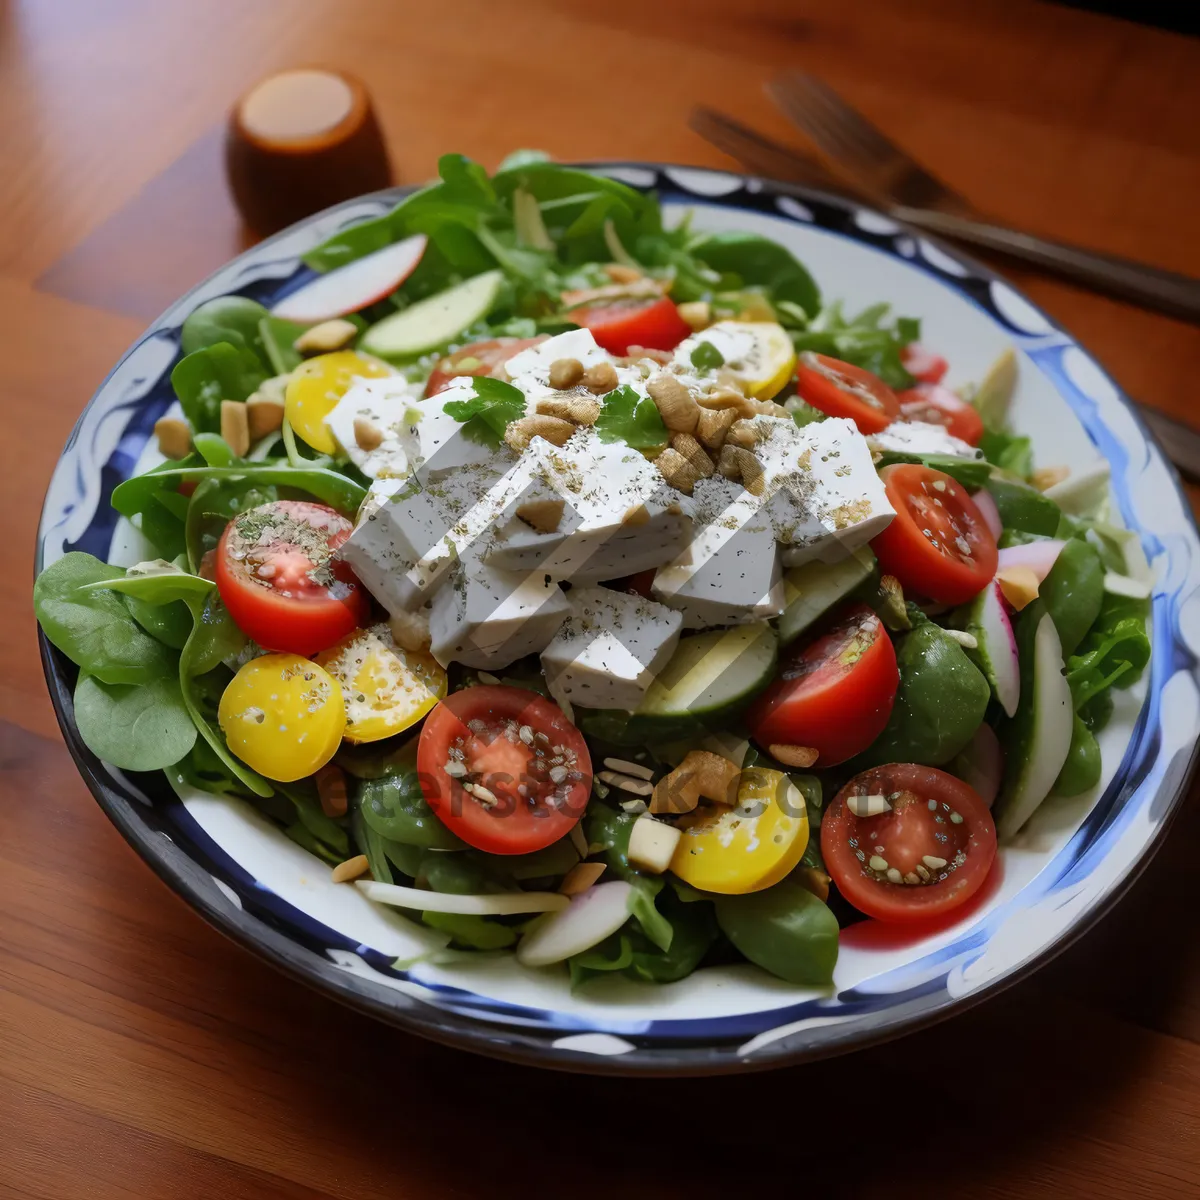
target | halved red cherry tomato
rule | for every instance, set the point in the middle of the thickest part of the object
(924, 854)
(936, 405)
(841, 389)
(833, 695)
(651, 324)
(277, 575)
(939, 545)
(504, 793)
(921, 363)
(480, 358)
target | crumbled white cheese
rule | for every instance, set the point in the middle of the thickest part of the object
(921, 437)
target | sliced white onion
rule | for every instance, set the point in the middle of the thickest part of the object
(502, 904)
(981, 764)
(352, 287)
(1039, 557)
(591, 917)
(985, 502)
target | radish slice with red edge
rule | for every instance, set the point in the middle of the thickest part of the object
(981, 764)
(591, 917)
(354, 286)
(996, 645)
(986, 504)
(1039, 557)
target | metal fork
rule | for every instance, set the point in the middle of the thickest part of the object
(911, 193)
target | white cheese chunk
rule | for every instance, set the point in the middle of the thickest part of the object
(735, 341)
(731, 572)
(385, 404)
(404, 549)
(652, 844)
(619, 514)
(610, 648)
(488, 618)
(921, 437)
(847, 498)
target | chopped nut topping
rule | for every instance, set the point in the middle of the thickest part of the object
(174, 437)
(368, 436)
(263, 416)
(542, 515)
(325, 337)
(694, 453)
(600, 378)
(565, 373)
(235, 427)
(521, 432)
(352, 868)
(582, 410)
(676, 406)
(677, 471)
(713, 426)
(620, 273)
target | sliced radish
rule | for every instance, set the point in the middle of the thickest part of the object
(996, 649)
(354, 286)
(1042, 733)
(592, 916)
(501, 904)
(981, 764)
(1039, 557)
(986, 504)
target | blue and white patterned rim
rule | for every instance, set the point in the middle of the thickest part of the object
(1084, 878)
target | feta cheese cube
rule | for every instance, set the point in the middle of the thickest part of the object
(403, 550)
(385, 404)
(619, 515)
(610, 648)
(731, 573)
(921, 437)
(488, 618)
(848, 497)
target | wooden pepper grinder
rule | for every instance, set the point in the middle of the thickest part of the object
(299, 141)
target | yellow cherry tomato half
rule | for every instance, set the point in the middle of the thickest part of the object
(747, 847)
(315, 388)
(386, 688)
(283, 716)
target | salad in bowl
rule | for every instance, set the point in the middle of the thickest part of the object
(598, 593)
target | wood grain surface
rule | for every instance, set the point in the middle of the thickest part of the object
(141, 1055)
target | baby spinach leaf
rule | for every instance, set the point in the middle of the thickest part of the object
(1073, 592)
(168, 623)
(940, 703)
(472, 932)
(630, 418)
(521, 158)
(694, 929)
(1024, 507)
(303, 795)
(1081, 771)
(487, 414)
(756, 260)
(206, 377)
(142, 727)
(213, 638)
(372, 845)
(611, 830)
(972, 473)
(785, 930)
(157, 583)
(278, 337)
(231, 319)
(396, 809)
(338, 491)
(1114, 652)
(93, 627)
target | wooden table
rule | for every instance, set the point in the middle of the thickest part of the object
(141, 1055)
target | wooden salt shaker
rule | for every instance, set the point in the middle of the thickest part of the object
(299, 141)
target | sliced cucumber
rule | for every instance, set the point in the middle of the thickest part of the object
(1024, 507)
(811, 590)
(433, 322)
(995, 652)
(708, 680)
(1038, 738)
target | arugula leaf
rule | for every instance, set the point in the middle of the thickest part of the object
(142, 727)
(631, 418)
(487, 414)
(1114, 652)
(215, 373)
(1010, 451)
(706, 357)
(93, 628)
(157, 583)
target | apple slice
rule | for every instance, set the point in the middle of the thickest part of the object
(352, 287)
